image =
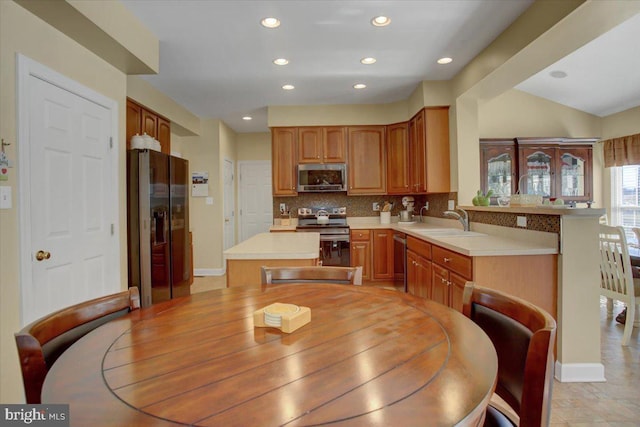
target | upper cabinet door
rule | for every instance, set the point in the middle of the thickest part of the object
(164, 135)
(134, 121)
(334, 145)
(283, 155)
(498, 164)
(574, 179)
(437, 163)
(417, 154)
(367, 160)
(322, 145)
(149, 123)
(537, 171)
(310, 145)
(397, 159)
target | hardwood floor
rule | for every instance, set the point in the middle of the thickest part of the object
(614, 403)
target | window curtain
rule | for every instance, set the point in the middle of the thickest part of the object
(622, 151)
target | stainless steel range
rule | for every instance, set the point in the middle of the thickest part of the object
(331, 223)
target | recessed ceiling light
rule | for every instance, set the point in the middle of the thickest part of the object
(281, 61)
(359, 86)
(247, 118)
(368, 61)
(270, 22)
(444, 60)
(288, 87)
(381, 21)
(558, 74)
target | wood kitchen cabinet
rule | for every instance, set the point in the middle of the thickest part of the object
(367, 160)
(451, 271)
(397, 158)
(283, 156)
(498, 167)
(556, 168)
(418, 153)
(419, 268)
(322, 145)
(361, 251)
(383, 258)
(141, 120)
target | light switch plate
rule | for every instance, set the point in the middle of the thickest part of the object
(521, 221)
(5, 197)
(209, 200)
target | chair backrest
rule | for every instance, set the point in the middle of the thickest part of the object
(312, 274)
(615, 265)
(41, 342)
(524, 338)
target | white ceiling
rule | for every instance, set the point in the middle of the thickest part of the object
(603, 77)
(216, 59)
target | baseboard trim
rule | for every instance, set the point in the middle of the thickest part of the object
(580, 372)
(208, 272)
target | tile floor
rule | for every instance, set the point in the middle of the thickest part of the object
(614, 403)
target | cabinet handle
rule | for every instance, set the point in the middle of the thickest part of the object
(446, 282)
(447, 259)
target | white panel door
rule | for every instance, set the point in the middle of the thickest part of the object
(228, 206)
(70, 196)
(256, 201)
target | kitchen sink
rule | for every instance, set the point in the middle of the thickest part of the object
(447, 232)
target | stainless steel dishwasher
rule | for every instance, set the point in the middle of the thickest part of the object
(400, 261)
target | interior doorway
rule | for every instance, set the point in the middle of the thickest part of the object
(69, 191)
(256, 201)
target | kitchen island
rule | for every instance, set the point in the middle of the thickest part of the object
(272, 249)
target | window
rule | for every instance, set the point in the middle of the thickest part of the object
(625, 198)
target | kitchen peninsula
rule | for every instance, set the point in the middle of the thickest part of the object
(272, 249)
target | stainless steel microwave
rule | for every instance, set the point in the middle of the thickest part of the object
(322, 178)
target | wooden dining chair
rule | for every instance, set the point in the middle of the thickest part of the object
(616, 276)
(523, 336)
(312, 274)
(41, 343)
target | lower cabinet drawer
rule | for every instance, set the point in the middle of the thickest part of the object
(453, 261)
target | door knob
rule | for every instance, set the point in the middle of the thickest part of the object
(42, 255)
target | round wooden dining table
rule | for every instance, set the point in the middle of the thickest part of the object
(368, 356)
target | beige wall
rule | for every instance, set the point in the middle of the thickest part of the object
(518, 114)
(21, 32)
(183, 122)
(254, 146)
(203, 153)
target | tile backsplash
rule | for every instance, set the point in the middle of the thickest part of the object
(361, 206)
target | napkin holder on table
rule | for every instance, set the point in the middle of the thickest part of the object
(290, 320)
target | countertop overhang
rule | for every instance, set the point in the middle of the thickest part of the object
(276, 246)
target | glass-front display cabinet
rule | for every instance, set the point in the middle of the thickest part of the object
(499, 163)
(550, 167)
(557, 168)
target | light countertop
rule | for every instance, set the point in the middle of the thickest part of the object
(485, 244)
(478, 244)
(276, 246)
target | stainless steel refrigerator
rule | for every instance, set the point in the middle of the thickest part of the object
(158, 225)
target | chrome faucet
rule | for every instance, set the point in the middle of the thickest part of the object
(464, 218)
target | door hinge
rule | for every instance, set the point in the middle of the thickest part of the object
(111, 142)
(113, 229)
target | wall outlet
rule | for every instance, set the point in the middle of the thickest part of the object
(521, 221)
(426, 206)
(283, 206)
(376, 206)
(451, 205)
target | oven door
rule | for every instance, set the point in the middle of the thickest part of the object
(334, 250)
